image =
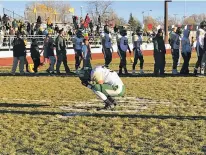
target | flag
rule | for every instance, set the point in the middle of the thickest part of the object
(55, 12)
(34, 10)
(71, 10)
(149, 26)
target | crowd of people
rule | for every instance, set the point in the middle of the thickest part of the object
(178, 40)
(10, 26)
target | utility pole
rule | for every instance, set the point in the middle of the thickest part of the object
(143, 17)
(185, 10)
(82, 11)
(166, 20)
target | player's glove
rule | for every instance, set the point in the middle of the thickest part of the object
(87, 84)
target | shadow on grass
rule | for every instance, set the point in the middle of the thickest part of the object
(74, 75)
(40, 75)
(16, 105)
(31, 112)
(161, 117)
(98, 115)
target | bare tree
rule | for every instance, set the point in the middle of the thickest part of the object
(160, 21)
(149, 20)
(172, 21)
(100, 8)
(189, 21)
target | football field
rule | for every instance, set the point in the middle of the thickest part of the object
(49, 115)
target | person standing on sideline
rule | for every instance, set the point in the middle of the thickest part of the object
(200, 45)
(51, 56)
(45, 53)
(61, 53)
(137, 42)
(86, 54)
(19, 50)
(77, 45)
(122, 49)
(186, 51)
(35, 55)
(107, 46)
(176, 50)
(203, 63)
(25, 59)
(171, 36)
(159, 53)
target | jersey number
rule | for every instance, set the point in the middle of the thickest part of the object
(125, 42)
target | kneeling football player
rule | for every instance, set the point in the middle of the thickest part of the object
(104, 82)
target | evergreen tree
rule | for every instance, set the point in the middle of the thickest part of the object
(134, 23)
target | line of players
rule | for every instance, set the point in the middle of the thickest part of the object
(107, 49)
(183, 44)
(177, 43)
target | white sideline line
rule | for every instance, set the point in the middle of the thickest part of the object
(85, 113)
(89, 106)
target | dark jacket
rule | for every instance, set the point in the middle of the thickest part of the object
(34, 51)
(91, 25)
(19, 48)
(159, 44)
(50, 49)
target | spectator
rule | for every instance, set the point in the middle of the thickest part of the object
(159, 53)
(25, 59)
(39, 20)
(45, 32)
(56, 29)
(61, 53)
(116, 29)
(18, 54)
(51, 56)
(99, 21)
(77, 45)
(45, 53)
(97, 30)
(49, 23)
(32, 29)
(1, 37)
(186, 52)
(35, 55)
(75, 18)
(14, 24)
(86, 54)
(176, 50)
(70, 32)
(29, 28)
(91, 26)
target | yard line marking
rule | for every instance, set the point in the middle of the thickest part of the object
(16, 99)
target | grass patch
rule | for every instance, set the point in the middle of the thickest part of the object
(30, 122)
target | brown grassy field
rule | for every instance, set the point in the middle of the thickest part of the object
(170, 115)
